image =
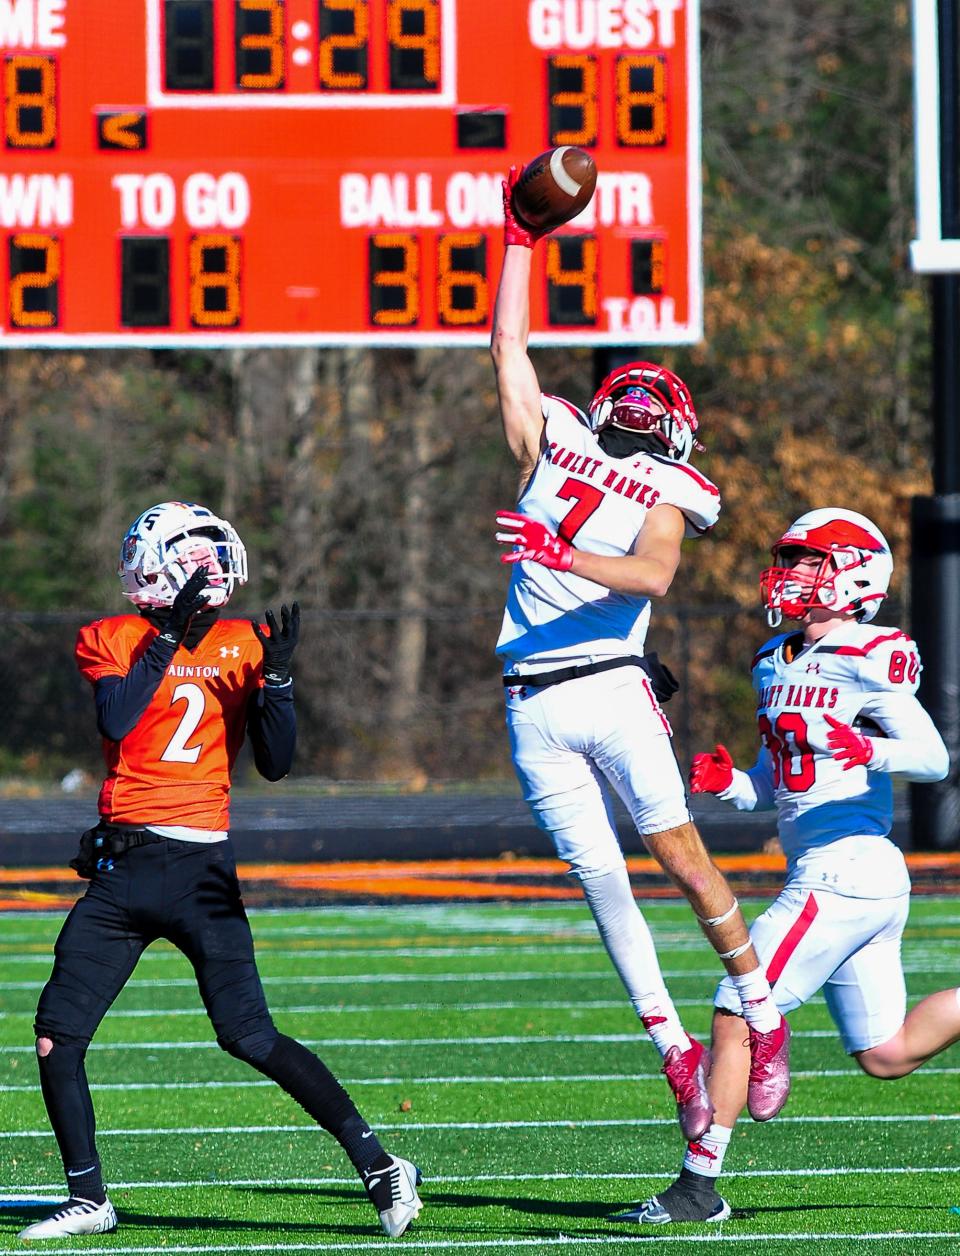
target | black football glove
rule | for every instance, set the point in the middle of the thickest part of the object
(186, 604)
(279, 646)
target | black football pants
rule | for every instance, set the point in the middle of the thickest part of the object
(186, 892)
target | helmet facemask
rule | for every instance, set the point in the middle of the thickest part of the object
(651, 404)
(168, 543)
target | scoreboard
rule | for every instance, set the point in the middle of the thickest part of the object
(179, 172)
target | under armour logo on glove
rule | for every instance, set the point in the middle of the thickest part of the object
(848, 746)
(534, 542)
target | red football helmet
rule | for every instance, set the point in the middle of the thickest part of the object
(644, 397)
(853, 574)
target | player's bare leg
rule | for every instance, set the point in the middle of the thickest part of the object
(686, 861)
(929, 1028)
(682, 855)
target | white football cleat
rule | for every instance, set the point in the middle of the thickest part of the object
(76, 1216)
(393, 1192)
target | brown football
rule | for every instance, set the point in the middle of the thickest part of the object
(554, 187)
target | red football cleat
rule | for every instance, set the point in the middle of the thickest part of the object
(686, 1071)
(769, 1083)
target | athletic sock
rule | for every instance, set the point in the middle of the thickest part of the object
(86, 1182)
(361, 1144)
(704, 1157)
(759, 1009)
(305, 1076)
(662, 1023)
(629, 944)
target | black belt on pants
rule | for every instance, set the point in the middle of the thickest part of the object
(664, 683)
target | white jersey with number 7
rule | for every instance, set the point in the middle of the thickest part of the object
(599, 504)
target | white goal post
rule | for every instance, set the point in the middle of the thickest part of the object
(931, 252)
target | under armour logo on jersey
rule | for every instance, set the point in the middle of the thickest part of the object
(232, 650)
(813, 667)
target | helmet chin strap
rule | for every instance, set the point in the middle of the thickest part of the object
(200, 624)
(619, 442)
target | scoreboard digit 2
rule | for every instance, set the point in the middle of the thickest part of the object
(178, 172)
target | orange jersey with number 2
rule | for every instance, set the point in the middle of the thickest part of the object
(174, 767)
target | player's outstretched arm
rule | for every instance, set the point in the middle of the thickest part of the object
(517, 386)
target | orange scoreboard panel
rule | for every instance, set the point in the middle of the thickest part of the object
(177, 172)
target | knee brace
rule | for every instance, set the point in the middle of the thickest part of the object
(254, 1046)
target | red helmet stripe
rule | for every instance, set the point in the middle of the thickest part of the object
(837, 532)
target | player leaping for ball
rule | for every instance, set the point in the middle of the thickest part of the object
(605, 503)
(837, 717)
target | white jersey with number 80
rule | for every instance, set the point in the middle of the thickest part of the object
(859, 674)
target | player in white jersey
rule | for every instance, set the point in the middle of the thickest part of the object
(837, 716)
(605, 502)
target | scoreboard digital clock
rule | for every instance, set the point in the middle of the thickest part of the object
(175, 172)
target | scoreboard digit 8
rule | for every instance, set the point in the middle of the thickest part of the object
(175, 172)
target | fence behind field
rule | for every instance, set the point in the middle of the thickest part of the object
(454, 726)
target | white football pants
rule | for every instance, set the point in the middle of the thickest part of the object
(809, 940)
(570, 740)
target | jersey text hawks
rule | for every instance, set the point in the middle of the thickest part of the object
(598, 504)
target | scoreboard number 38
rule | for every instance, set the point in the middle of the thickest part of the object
(329, 171)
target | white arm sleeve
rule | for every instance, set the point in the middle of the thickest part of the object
(912, 747)
(752, 790)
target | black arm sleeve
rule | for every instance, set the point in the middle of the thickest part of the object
(272, 727)
(122, 700)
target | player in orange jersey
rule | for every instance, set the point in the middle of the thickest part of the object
(177, 690)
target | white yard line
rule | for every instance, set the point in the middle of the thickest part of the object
(497, 1040)
(339, 1009)
(912, 966)
(55, 1190)
(482, 1079)
(421, 1126)
(562, 1240)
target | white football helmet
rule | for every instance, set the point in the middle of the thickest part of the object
(854, 573)
(643, 397)
(168, 542)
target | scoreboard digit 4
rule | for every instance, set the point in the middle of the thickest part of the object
(176, 172)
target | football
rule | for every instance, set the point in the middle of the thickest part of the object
(554, 187)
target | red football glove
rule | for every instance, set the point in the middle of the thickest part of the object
(535, 542)
(711, 773)
(513, 232)
(848, 746)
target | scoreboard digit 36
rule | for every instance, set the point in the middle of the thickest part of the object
(176, 172)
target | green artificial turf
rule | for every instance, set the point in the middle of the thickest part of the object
(492, 1045)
